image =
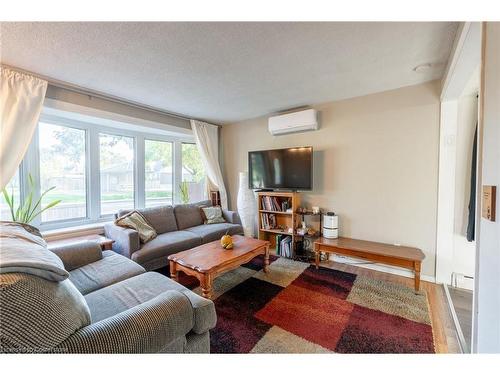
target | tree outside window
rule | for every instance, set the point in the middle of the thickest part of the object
(193, 173)
(116, 173)
(62, 164)
(158, 172)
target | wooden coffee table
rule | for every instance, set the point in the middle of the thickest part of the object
(206, 262)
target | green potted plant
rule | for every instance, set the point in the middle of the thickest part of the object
(28, 211)
(183, 187)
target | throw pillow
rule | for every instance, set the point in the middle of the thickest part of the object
(135, 220)
(213, 215)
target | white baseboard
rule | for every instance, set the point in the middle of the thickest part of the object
(381, 268)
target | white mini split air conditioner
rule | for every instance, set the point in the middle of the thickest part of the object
(294, 122)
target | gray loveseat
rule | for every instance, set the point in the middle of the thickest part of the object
(79, 299)
(179, 228)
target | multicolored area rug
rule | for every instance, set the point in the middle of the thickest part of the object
(297, 309)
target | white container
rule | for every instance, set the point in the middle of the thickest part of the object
(330, 226)
(330, 222)
(247, 207)
(330, 233)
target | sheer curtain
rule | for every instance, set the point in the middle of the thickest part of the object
(207, 140)
(21, 99)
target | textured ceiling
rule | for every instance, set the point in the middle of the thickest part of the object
(226, 72)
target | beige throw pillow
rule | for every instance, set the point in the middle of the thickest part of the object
(213, 215)
(135, 220)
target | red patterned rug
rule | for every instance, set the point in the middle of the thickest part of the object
(298, 309)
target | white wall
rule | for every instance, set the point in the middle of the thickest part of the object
(487, 296)
(375, 164)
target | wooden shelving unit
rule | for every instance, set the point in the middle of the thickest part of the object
(283, 219)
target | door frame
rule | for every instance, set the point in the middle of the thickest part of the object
(464, 59)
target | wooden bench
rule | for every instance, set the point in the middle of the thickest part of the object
(400, 256)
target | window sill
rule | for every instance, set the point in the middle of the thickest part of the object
(80, 230)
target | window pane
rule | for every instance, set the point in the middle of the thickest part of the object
(117, 173)
(159, 172)
(193, 173)
(62, 164)
(14, 191)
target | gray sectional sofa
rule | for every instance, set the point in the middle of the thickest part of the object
(179, 228)
(79, 299)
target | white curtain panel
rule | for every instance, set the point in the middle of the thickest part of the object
(21, 99)
(207, 140)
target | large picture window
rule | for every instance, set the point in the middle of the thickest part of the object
(117, 173)
(193, 173)
(62, 165)
(13, 189)
(159, 172)
(98, 169)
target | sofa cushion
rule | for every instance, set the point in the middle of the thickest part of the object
(111, 269)
(212, 232)
(38, 314)
(78, 254)
(26, 252)
(124, 295)
(161, 218)
(212, 215)
(166, 244)
(188, 215)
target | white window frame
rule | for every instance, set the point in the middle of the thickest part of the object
(63, 222)
(151, 137)
(193, 142)
(117, 133)
(92, 168)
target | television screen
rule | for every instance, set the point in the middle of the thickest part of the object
(285, 169)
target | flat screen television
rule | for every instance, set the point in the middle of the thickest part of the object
(281, 169)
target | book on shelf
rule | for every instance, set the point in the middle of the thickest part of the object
(278, 240)
(274, 204)
(284, 245)
(268, 221)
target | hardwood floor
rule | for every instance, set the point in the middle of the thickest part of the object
(462, 303)
(445, 335)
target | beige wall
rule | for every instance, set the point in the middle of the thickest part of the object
(375, 164)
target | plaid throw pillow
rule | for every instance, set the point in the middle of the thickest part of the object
(213, 215)
(134, 220)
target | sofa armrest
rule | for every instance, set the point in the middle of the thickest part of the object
(205, 316)
(126, 240)
(145, 328)
(78, 254)
(231, 216)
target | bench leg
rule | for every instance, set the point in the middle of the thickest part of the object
(316, 258)
(417, 276)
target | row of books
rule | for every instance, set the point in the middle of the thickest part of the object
(268, 221)
(284, 245)
(274, 204)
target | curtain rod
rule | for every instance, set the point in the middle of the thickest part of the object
(96, 94)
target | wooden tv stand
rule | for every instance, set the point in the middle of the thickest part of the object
(400, 256)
